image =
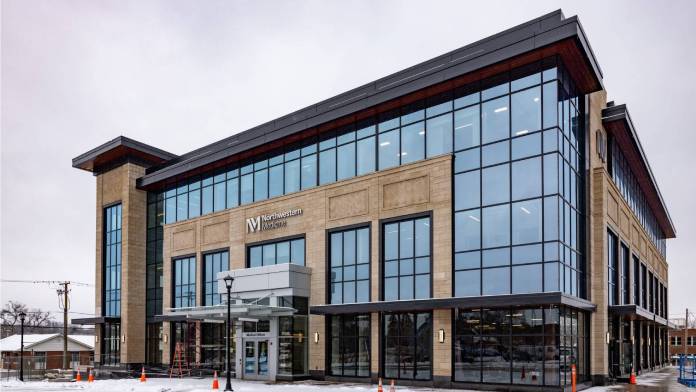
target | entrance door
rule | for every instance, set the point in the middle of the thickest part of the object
(256, 359)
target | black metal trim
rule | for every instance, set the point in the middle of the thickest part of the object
(121, 141)
(492, 301)
(529, 36)
(273, 241)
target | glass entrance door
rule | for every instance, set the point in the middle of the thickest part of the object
(256, 359)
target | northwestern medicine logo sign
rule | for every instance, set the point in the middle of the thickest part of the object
(271, 221)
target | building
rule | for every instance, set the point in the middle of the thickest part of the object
(45, 351)
(484, 218)
(682, 341)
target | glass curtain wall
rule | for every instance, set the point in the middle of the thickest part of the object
(529, 346)
(518, 186)
(112, 261)
(154, 275)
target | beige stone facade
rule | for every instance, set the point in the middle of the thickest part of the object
(422, 187)
(113, 187)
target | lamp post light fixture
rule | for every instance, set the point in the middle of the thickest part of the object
(228, 284)
(22, 316)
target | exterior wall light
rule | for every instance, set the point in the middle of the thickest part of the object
(165, 338)
(123, 338)
(441, 335)
(608, 339)
(316, 337)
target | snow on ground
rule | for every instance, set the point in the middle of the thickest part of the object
(193, 385)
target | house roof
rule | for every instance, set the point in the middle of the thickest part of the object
(12, 343)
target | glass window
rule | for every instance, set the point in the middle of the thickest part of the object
(467, 127)
(213, 264)
(526, 111)
(468, 230)
(366, 152)
(277, 253)
(526, 178)
(526, 279)
(407, 345)
(526, 222)
(550, 104)
(246, 189)
(182, 207)
(349, 342)
(496, 281)
(207, 198)
(292, 176)
(350, 266)
(327, 166)
(275, 181)
(112, 221)
(495, 124)
(185, 282)
(309, 171)
(439, 134)
(346, 161)
(467, 160)
(496, 226)
(232, 192)
(389, 149)
(412, 143)
(495, 153)
(219, 196)
(407, 259)
(467, 190)
(526, 146)
(495, 184)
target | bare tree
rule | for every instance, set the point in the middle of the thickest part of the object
(9, 315)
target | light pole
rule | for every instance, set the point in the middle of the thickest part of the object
(22, 316)
(228, 283)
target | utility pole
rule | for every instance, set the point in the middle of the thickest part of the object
(686, 330)
(66, 305)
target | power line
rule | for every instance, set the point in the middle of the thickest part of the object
(55, 282)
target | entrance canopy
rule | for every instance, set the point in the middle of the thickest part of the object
(219, 312)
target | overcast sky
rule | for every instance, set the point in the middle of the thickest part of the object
(182, 74)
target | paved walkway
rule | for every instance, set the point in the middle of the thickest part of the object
(663, 380)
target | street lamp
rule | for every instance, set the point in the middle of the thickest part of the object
(22, 316)
(228, 283)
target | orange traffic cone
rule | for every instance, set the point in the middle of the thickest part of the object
(379, 386)
(632, 379)
(90, 377)
(142, 375)
(392, 388)
(216, 384)
(79, 376)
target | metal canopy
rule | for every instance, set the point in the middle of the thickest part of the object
(219, 312)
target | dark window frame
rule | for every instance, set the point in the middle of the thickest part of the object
(355, 227)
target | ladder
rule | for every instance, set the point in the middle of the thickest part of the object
(179, 364)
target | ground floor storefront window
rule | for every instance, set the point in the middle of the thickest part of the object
(293, 338)
(111, 344)
(529, 346)
(183, 349)
(408, 345)
(153, 340)
(213, 346)
(349, 345)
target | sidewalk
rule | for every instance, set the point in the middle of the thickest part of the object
(663, 380)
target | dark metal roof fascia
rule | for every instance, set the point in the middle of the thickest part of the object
(620, 113)
(125, 142)
(534, 34)
(492, 301)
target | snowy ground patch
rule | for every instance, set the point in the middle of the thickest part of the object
(195, 385)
